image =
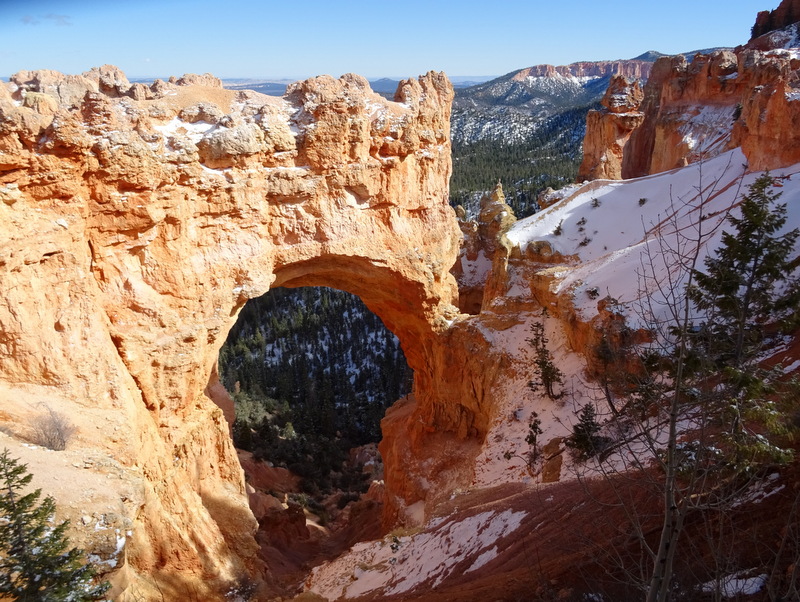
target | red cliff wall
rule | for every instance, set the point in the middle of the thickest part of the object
(695, 110)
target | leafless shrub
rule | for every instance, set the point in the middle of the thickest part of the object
(52, 429)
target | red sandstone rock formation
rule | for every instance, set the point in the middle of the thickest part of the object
(632, 69)
(609, 129)
(484, 238)
(787, 13)
(138, 220)
(694, 111)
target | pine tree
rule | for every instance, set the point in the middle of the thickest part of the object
(35, 564)
(586, 439)
(746, 283)
(549, 374)
(704, 370)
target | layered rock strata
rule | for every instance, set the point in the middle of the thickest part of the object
(632, 69)
(692, 111)
(139, 219)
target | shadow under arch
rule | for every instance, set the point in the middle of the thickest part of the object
(399, 302)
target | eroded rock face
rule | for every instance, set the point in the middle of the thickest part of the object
(692, 111)
(609, 129)
(138, 220)
(484, 240)
(787, 13)
(627, 68)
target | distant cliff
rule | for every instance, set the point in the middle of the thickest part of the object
(632, 68)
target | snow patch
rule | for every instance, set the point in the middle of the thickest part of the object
(398, 565)
(735, 585)
(474, 272)
(481, 560)
(193, 131)
(792, 367)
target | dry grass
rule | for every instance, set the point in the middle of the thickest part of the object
(52, 429)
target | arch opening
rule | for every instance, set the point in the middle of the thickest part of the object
(312, 371)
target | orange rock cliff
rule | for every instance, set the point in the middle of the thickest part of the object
(139, 219)
(628, 68)
(690, 111)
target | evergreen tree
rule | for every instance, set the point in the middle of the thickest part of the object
(585, 438)
(745, 287)
(746, 284)
(549, 374)
(35, 564)
(704, 407)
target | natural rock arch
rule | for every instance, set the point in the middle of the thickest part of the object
(141, 219)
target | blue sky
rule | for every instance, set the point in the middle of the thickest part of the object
(249, 38)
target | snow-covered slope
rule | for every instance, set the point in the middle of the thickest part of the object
(606, 229)
(614, 236)
(609, 228)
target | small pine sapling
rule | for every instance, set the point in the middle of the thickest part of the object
(586, 441)
(548, 373)
(532, 438)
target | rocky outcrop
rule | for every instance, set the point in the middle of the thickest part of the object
(696, 110)
(139, 220)
(632, 69)
(609, 129)
(770, 114)
(484, 239)
(787, 13)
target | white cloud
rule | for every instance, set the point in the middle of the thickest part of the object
(59, 20)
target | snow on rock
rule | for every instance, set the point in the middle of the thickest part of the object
(792, 367)
(707, 129)
(735, 585)
(396, 565)
(606, 230)
(609, 227)
(505, 456)
(194, 131)
(475, 272)
(760, 490)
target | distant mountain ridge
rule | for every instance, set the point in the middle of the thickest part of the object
(509, 108)
(629, 68)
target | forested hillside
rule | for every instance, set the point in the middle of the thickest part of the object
(548, 157)
(312, 372)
